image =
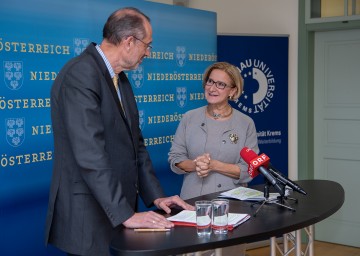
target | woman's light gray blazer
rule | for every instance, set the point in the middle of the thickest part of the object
(190, 140)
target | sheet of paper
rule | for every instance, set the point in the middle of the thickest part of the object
(244, 193)
(186, 216)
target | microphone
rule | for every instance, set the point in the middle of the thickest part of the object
(256, 164)
(287, 182)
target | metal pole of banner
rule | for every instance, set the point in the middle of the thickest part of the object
(285, 243)
(312, 235)
(298, 242)
(285, 250)
(218, 252)
(273, 246)
(310, 243)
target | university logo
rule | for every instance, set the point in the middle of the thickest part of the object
(141, 119)
(15, 131)
(137, 76)
(181, 96)
(259, 86)
(180, 55)
(13, 74)
(80, 45)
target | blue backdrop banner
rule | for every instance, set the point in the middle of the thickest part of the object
(263, 63)
(36, 39)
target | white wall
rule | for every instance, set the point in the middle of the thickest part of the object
(262, 17)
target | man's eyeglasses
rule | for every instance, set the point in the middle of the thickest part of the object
(218, 84)
(148, 46)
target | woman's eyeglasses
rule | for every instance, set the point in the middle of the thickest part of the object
(218, 84)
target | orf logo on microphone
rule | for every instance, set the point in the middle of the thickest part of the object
(259, 161)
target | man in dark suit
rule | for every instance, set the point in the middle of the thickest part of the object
(100, 162)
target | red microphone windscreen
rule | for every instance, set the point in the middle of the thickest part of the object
(247, 154)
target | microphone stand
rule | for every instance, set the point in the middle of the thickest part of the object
(280, 200)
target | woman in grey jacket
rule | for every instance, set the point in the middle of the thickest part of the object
(209, 139)
(207, 143)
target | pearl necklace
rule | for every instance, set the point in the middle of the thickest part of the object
(218, 115)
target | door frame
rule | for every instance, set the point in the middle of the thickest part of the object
(306, 44)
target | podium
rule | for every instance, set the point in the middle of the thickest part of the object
(269, 223)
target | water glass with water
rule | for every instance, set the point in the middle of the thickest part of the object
(220, 212)
(203, 217)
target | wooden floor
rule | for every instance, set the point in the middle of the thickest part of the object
(320, 249)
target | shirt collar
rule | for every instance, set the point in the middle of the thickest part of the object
(107, 63)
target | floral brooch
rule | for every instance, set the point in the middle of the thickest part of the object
(233, 138)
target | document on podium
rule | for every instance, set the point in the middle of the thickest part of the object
(247, 194)
(188, 218)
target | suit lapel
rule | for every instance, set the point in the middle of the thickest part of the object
(125, 90)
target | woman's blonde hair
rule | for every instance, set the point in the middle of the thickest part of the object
(233, 73)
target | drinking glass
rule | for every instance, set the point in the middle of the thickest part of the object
(203, 217)
(220, 211)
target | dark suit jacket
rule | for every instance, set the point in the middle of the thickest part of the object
(100, 161)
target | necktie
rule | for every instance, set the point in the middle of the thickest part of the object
(116, 84)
